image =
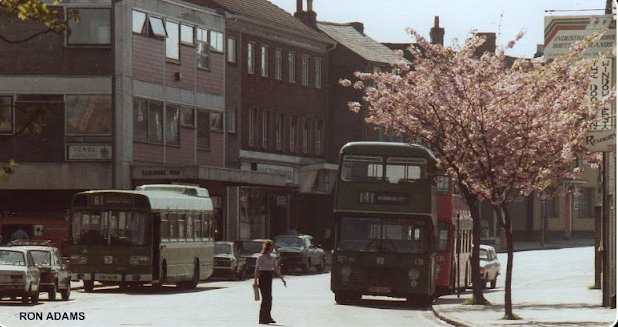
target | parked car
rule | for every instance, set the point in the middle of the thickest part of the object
(19, 276)
(299, 251)
(228, 261)
(489, 265)
(54, 271)
(250, 250)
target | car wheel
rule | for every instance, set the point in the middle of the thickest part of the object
(322, 265)
(51, 294)
(66, 293)
(88, 286)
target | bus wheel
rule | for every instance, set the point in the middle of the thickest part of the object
(196, 274)
(88, 286)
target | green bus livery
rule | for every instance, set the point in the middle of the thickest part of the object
(155, 234)
(385, 222)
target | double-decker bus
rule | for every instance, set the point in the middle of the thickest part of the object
(385, 218)
(156, 234)
(454, 242)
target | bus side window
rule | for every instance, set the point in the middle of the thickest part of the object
(198, 227)
(173, 226)
(189, 218)
(182, 236)
(208, 227)
(165, 227)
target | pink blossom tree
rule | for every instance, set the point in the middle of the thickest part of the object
(499, 131)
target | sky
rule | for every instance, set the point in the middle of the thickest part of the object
(387, 20)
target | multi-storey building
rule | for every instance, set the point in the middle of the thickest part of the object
(132, 93)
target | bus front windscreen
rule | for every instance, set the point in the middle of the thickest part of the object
(100, 227)
(385, 235)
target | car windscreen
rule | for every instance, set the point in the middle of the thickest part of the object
(251, 247)
(286, 241)
(41, 258)
(223, 249)
(12, 258)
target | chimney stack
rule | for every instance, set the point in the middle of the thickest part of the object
(308, 17)
(360, 27)
(436, 33)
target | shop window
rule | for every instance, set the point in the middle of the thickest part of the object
(93, 28)
(89, 114)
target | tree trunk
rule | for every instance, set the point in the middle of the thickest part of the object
(477, 285)
(506, 225)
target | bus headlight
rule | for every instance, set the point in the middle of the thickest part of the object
(345, 271)
(413, 273)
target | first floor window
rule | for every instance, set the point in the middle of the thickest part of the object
(230, 120)
(278, 130)
(203, 129)
(305, 123)
(216, 121)
(265, 128)
(89, 114)
(172, 122)
(293, 131)
(250, 58)
(319, 136)
(252, 125)
(147, 121)
(94, 27)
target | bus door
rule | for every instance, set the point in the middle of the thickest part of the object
(156, 245)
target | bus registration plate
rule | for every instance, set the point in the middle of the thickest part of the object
(108, 277)
(379, 289)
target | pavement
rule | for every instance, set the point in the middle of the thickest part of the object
(572, 304)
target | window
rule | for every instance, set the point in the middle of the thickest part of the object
(172, 46)
(216, 121)
(186, 34)
(586, 203)
(172, 121)
(6, 115)
(230, 120)
(278, 64)
(305, 123)
(278, 131)
(202, 49)
(319, 136)
(203, 129)
(93, 29)
(89, 114)
(250, 58)
(139, 18)
(292, 67)
(318, 73)
(401, 170)
(264, 61)
(156, 27)
(265, 128)
(147, 121)
(252, 125)
(216, 41)
(305, 73)
(293, 131)
(187, 117)
(231, 50)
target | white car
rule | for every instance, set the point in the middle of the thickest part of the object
(489, 265)
(19, 276)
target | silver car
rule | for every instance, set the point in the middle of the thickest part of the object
(19, 276)
(489, 265)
